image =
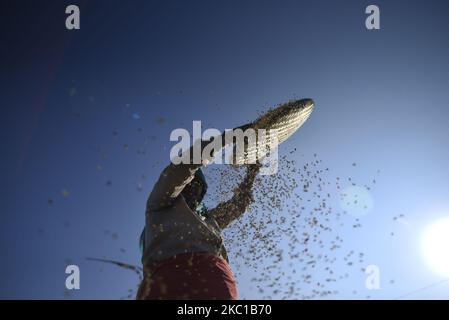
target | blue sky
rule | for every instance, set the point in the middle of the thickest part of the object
(86, 113)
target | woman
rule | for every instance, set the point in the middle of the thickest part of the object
(183, 252)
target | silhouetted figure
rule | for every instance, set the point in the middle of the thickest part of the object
(183, 252)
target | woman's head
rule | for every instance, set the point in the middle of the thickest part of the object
(194, 192)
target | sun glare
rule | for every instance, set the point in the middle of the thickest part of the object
(435, 246)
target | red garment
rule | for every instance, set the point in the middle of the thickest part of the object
(190, 276)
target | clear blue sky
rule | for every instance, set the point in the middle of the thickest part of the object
(71, 100)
